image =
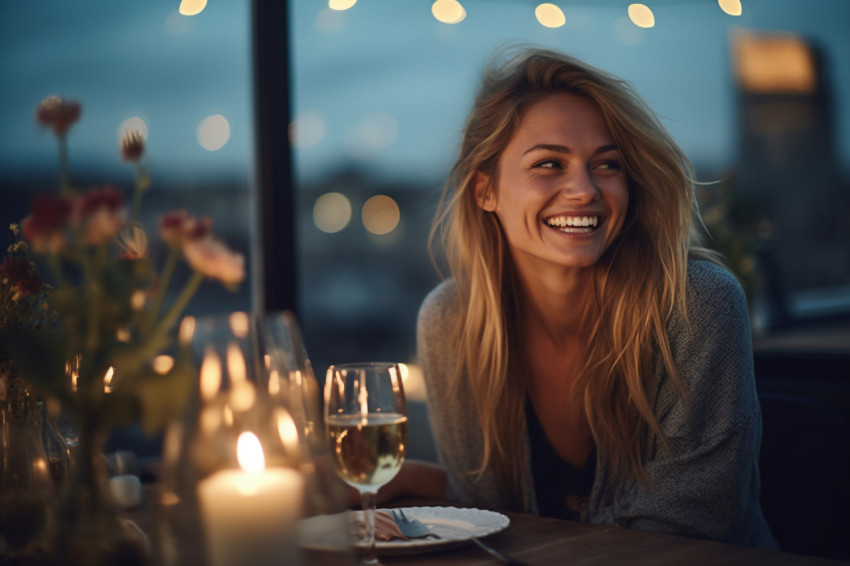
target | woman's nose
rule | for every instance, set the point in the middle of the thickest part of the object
(580, 187)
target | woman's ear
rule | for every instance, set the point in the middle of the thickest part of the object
(484, 192)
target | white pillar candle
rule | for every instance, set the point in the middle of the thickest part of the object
(249, 515)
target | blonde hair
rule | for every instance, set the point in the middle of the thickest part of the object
(638, 282)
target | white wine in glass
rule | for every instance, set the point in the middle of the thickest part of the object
(366, 420)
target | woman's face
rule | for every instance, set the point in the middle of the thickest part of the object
(562, 192)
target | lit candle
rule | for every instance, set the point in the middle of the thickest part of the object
(249, 514)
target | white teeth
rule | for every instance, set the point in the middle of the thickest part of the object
(575, 221)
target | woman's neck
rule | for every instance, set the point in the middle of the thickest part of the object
(556, 302)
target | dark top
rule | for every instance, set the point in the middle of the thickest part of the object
(555, 479)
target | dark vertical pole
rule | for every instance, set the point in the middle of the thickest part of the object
(274, 270)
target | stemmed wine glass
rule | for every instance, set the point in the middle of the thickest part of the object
(366, 420)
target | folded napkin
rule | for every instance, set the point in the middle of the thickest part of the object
(385, 527)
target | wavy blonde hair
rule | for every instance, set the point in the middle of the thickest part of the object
(638, 282)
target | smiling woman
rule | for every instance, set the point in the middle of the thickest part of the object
(588, 359)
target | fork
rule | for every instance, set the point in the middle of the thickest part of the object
(411, 529)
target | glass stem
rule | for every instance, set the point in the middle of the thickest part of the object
(369, 519)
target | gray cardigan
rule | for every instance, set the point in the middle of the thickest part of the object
(708, 489)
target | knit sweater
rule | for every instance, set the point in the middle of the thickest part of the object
(709, 488)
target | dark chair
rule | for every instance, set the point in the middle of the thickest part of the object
(805, 475)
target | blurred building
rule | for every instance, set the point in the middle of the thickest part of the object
(788, 166)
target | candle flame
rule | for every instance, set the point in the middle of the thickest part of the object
(210, 375)
(187, 331)
(288, 431)
(249, 452)
(274, 382)
(236, 363)
(107, 379)
(162, 364)
(239, 324)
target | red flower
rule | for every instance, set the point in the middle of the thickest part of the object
(45, 226)
(100, 214)
(58, 113)
(19, 275)
(178, 227)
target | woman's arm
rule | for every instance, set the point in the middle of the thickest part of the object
(416, 480)
(708, 487)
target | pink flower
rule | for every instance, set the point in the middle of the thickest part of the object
(45, 227)
(58, 114)
(215, 260)
(100, 214)
(178, 227)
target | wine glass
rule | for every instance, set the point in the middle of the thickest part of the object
(366, 420)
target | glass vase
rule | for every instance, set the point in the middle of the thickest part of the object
(26, 490)
(88, 529)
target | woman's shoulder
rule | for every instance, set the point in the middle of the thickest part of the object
(711, 287)
(707, 277)
(441, 302)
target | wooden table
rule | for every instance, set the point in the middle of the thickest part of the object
(540, 541)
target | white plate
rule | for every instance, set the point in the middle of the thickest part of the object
(455, 526)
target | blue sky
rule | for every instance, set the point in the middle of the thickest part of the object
(390, 85)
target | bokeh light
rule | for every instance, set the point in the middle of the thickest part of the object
(307, 130)
(641, 15)
(213, 132)
(375, 132)
(448, 11)
(341, 4)
(731, 7)
(162, 364)
(550, 15)
(380, 215)
(331, 212)
(192, 7)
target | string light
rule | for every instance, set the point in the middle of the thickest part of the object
(641, 15)
(550, 15)
(731, 7)
(448, 11)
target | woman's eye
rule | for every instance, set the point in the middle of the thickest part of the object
(610, 165)
(549, 164)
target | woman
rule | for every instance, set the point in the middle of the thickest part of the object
(588, 359)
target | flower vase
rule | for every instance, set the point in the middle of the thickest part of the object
(88, 529)
(26, 491)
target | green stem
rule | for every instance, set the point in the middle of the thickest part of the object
(170, 317)
(64, 173)
(165, 280)
(137, 194)
(92, 270)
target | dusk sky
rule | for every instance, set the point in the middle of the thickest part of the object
(383, 84)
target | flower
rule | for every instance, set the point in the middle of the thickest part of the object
(178, 227)
(133, 241)
(45, 227)
(19, 275)
(215, 260)
(108, 313)
(99, 214)
(58, 114)
(132, 146)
